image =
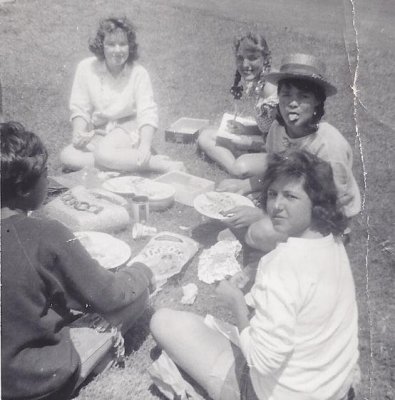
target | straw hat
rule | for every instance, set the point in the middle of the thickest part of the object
(303, 66)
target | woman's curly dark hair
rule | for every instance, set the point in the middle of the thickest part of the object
(307, 86)
(23, 160)
(318, 183)
(109, 25)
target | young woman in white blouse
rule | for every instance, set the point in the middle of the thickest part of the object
(298, 332)
(113, 112)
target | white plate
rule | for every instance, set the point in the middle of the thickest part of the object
(139, 186)
(109, 251)
(211, 204)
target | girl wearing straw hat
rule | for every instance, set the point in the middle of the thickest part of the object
(302, 90)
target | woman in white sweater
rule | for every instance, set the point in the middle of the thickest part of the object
(297, 327)
(113, 112)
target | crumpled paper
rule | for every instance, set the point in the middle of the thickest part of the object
(190, 292)
(166, 376)
(219, 261)
(231, 332)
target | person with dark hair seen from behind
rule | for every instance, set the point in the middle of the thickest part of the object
(45, 273)
(296, 334)
(113, 112)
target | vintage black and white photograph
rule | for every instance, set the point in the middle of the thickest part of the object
(196, 199)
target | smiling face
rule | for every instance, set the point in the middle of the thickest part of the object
(116, 50)
(297, 107)
(249, 60)
(289, 207)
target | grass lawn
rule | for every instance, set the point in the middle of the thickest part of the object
(187, 50)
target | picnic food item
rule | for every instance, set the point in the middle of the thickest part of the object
(160, 195)
(226, 137)
(165, 254)
(219, 261)
(89, 209)
(216, 204)
(109, 251)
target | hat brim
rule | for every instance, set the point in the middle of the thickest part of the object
(275, 77)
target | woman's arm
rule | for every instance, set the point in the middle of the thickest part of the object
(144, 150)
(147, 110)
(270, 337)
(80, 103)
(230, 295)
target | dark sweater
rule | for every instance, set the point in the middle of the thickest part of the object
(45, 272)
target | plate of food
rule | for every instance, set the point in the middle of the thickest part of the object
(109, 251)
(216, 204)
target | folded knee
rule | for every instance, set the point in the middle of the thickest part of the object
(240, 169)
(161, 323)
(104, 155)
(74, 159)
(207, 139)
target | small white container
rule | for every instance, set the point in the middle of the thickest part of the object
(185, 130)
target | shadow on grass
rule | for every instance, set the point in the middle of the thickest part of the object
(206, 233)
(138, 334)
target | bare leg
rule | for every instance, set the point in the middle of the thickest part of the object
(201, 352)
(223, 156)
(253, 164)
(115, 151)
(75, 159)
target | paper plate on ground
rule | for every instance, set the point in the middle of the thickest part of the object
(216, 204)
(109, 251)
(137, 185)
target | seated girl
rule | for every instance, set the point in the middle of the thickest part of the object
(302, 91)
(46, 272)
(241, 156)
(113, 112)
(298, 326)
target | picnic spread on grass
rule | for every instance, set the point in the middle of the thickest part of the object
(98, 205)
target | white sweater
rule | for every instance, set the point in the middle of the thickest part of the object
(98, 97)
(302, 342)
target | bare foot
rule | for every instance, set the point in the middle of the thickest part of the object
(175, 166)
